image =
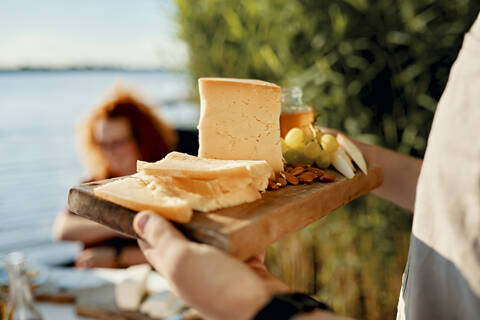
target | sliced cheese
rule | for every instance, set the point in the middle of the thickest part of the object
(162, 305)
(131, 290)
(136, 194)
(206, 188)
(239, 119)
(205, 195)
(178, 164)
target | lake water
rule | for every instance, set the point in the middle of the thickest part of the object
(38, 160)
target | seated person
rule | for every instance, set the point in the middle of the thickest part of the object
(112, 139)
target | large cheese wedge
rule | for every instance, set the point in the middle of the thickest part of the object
(136, 194)
(178, 164)
(206, 195)
(239, 119)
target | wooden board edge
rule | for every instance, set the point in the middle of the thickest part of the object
(246, 250)
(77, 197)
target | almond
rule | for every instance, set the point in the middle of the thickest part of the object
(307, 177)
(291, 178)
(281, 181)
(297, 171)
(272, 185)
(327, 178)
(316, 171)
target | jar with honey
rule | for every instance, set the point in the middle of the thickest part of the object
(294, 113)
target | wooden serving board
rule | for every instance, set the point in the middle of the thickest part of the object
(246, 229)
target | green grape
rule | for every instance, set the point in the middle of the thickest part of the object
(308, 138)
(323, 160)
(293, 156)
(312, 150)
(329, 143)
(295, 138)
(285, 146)
(306, 160)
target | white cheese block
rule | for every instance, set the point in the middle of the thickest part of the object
(239, 119)
(131, 290)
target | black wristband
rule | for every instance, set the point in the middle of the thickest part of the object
(285, 306)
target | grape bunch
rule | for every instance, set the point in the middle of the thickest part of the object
(308, 148)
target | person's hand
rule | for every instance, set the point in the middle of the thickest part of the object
(96, 257)
(216, 284)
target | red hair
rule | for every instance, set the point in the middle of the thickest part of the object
(153, 136)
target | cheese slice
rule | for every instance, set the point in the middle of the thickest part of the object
(239, 119)
(183, 165)
(136, 194)
(162, 305)
(130, 291)
(206, 188)
(206, 195)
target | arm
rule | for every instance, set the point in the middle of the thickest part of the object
(401, 174)
(69, 227)
(214, 283)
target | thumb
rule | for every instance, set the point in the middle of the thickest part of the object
(164, 241)
(155, 230)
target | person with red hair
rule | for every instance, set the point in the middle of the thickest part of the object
(114, 136)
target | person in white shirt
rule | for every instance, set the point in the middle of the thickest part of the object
(442, 276)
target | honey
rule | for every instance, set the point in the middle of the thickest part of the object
(294, 114)
(295, 119)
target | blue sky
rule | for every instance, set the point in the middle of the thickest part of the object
(138, 34)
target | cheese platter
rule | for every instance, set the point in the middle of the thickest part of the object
(246, 229)
(248, 187)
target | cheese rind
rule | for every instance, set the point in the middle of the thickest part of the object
(239, 119)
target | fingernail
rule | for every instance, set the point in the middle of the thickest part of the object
(142, 222)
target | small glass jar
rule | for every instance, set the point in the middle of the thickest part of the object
(295, 114)
(20, 305)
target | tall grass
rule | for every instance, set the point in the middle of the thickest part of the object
(374, 69)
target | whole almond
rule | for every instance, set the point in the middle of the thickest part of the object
(326, 178)
(316, 171)
(291, 178)
(306, 177)
(297, 171)
(281, 181)
(272, 185)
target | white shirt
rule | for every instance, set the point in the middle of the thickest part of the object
(442, 276)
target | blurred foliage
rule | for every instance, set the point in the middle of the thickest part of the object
(374, 69)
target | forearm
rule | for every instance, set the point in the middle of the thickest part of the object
(69, 227)
(401, 174)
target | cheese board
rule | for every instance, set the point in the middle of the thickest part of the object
(245, 229)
